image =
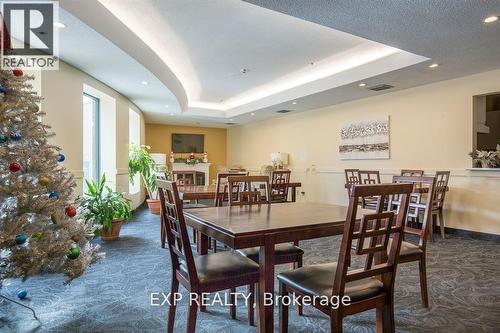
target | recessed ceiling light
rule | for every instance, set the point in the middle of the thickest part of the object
(59, 25)
(166, 105)
(491, 19)
(252, 114)
(294, 103)
(144, 83)
(433, 65)
(362, 84)
(171, 114)
(230, 120)
(244, 70)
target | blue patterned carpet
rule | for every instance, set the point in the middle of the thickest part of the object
(114, 296)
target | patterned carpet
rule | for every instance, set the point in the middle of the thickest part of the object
(114, 296)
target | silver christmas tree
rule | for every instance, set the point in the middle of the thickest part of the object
(40, 231)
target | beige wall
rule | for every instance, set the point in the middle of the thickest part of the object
(431, 129)
(159, 137)
(62, 92)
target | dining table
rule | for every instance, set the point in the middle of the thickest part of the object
(264, 226)
(201, 192)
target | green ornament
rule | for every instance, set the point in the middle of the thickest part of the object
(74, 252)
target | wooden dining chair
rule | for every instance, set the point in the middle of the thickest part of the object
(367, 177)
(247, 192)
(442, 179)
(370, 287)
(201, 274)
(280, 181)
(416, 252)
(409, 172)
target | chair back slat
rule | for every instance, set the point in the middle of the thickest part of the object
(414, 208)
(221, 190)
(409, 172)
(248, 190)
(172, 219)
(280, 182)
(442, 179)
(351, 176)
(371, 236)
(369, 177)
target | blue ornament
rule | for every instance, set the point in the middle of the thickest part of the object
(21, 239)
(3, 138)
(3, 90)
(15, 136)
(61, 158)
(22, 294)
(54, 195)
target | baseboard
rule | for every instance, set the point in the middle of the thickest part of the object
(468, 233)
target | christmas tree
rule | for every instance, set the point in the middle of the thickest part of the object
(40, 231)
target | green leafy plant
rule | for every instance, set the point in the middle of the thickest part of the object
(100, 205)
(140, 161)
(486, 159)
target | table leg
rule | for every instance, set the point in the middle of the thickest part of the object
(202, 243)
(266, 285)
(294, 194)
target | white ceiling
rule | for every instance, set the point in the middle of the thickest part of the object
(195, 49)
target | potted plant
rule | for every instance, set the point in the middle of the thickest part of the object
(105, 208)
(141, 162)
(486, 159)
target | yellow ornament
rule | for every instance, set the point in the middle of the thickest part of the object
(44, 181)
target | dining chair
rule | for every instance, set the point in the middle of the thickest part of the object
(280, 181)
(409, 172)
(201, 274)
(370, 287)
(249, 192)
(442, 179)
(417, 252)
(367, 177)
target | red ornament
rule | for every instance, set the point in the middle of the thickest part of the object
(14, 167)
(70, 211)
(18, 72)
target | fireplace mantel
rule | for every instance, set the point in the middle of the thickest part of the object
(199, 167)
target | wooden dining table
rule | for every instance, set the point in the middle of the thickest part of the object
(201, 192)
(265, 226)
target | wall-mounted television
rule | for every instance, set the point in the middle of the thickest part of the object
(188, 143)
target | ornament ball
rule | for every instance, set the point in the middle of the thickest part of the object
(17, 72)
(54, 195)
(3, 90)
(74, 252)
(3, 138)
(44, 181)
(14, 167)
(61, 158)
(22, 294)
(21, 239)
(70, 211)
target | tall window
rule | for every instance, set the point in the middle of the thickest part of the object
(91, 162)
(134, 137)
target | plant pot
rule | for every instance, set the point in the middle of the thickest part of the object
(112, 233)
(485, 164)
(154, 205)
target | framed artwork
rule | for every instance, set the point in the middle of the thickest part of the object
(365, 140)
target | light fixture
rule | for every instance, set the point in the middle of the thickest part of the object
(362, 84)
(244, 70)
(294, 103)
(171, 113)
(252, 114)
(59, 25)
(433, 65)
(491, 19)
(230, 120)
(166, 105)
(144, 83)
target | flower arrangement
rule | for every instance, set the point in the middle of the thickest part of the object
(486, 159)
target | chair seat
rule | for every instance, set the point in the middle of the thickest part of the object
(285, 249)
(407, 248)
(222, 266)
(317, 280)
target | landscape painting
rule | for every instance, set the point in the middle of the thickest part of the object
(367, 139)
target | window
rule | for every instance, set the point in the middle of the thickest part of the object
(91, 160)
(134, 138)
